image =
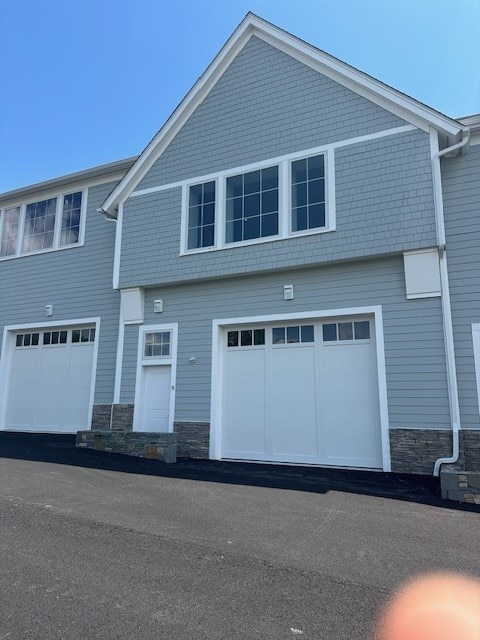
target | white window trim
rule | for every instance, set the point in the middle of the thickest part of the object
(58, 222)
(284, 201)
(143, 362)
(476, 357)
(218, 364)
(8, 347)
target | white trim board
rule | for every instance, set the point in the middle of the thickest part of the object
(217, 392)
(407, 108)
(7, 355)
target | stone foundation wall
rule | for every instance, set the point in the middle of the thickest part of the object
(193, 439)
(156, 446)
(460, 486)
(119, 419)
(416, 450)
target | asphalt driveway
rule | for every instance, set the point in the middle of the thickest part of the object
(94, 545)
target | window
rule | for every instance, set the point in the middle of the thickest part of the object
(252, 205)
(246, 338)
(83, 335)
(201, 215)
(156, 344)
(308, 193)
(346, 331)
(288, 197)
(27, 340)
(44, 225)
(293, 335)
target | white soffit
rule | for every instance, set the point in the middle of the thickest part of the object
(402, 105)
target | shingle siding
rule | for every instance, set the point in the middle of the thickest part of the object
(266, 104)
(384, 204)
(461, 188)
(415, 359)
(77, 282)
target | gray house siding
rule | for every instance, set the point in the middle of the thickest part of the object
(461, 189)
(77, 282)
(266, 104)
(384, 204)
(415, 358)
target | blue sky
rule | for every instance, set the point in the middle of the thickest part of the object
(85, 83)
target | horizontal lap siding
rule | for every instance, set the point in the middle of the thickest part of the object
(461, 187)
(417, 387)
(77, 282)
(384, 201)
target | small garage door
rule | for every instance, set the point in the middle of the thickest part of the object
(304, 393)
(50, 381)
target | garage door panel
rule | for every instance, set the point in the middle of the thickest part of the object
(347, 387)
(245, 431)
(351, 357)
(298, 388)
(293, 360)
(50, 383)
(293, 435)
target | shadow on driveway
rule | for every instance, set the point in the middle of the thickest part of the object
(60, 449)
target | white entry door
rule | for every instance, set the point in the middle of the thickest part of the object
(156, 399)
(304, 393)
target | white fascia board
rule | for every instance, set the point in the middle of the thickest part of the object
(409, 109)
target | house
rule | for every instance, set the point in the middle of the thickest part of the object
(282, 284)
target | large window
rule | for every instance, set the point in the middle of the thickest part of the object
(285, 198)
(43, 225)
(252, 205)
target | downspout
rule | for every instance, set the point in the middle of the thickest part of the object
(445, 298)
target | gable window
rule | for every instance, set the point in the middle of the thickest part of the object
(273, 200)
(43, 225)
(201, 215)
(252, 205)
(308, 193)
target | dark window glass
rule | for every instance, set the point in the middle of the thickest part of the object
(278, 335)
(55, 337)
(63, 337)
(19, 340)
(252, 205)
(85, 335)
(27, 339)
(72, 204)
(201, 214)
(329, 332)
(47, 337)
(307, 333)
(293, 334)
(246, 337)
(92, 335)
(345, 331)
(308, 194)
(35, 337)
(76, 335)
(232, 338)
(259, 336)
(362, 330)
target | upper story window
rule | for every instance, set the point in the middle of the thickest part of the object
(43, 225)
(293, 196)
(252, 205)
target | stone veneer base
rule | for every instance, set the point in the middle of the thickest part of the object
(416, 450)
(155, 446)
(463, 486)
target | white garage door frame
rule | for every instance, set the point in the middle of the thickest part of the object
(218, 367)
(8, 347)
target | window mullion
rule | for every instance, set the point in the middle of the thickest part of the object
(58, 222)
(220, 212)
(21, 229)
(284, 199)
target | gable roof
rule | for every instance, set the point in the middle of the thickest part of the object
(378, 92)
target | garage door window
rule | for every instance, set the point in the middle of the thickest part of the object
(293, 335)
(55, 337)
(27, 340)
(334, 331)
(246, 338)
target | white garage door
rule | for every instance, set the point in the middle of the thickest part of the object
(50, 381)
(304, 393)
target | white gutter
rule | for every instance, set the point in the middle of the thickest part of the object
(445, 299)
